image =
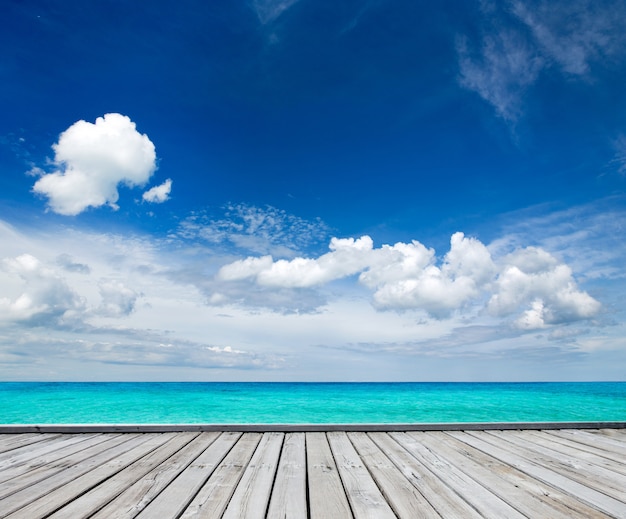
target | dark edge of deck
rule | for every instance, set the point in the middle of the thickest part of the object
(351, 427)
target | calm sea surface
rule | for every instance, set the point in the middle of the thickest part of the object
(43, 403)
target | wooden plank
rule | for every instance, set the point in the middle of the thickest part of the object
(213, 497)
(445, 501)
(364, 497)
(501, 450)
(252, 496)
(178, 494)
(78, 484)
(90, 502)
(594, 476)
(593, 447)
(137, 496)
(326, 494)
(487, 503)
(23, 479)
(614, 446)
(526, 494)
(288, 499)
(614, 462)
(405, 500)
(10, 442)
(31, 458)
(29, 467)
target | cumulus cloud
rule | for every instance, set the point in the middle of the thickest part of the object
(45, 299)
(117, 299)
(159, 194)
(91, 160)
(533, 277)
(409, 276)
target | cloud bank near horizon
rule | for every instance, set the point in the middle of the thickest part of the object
(528, 282)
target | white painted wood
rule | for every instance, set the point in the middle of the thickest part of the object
(85, 505)
(213, 497)
(138, 495)
(488, 504)
(252, 496)
(74, 482)
(501, 450)
(365, 498)
(327, 497)
(405, 500)
(288, 499)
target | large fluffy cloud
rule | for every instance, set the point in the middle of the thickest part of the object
(529, 282)
(91, 160)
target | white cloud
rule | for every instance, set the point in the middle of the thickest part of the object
(91, 160)
(117, 299)
(508, 59)
(159, 194)
(406, 276)
(501, 71)
(573, 34)
(269, 10)
(533, 277)
(44, 298)
(259, 230)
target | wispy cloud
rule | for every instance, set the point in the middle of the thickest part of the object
(269, 10)
(158, 194)
(521, 40)
(255, 229)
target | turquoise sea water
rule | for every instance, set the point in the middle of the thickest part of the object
(45, 403)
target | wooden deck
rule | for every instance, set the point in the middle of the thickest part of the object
(562, 473)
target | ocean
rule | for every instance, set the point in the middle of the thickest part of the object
(247, 402)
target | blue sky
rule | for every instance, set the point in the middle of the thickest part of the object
(299, 190)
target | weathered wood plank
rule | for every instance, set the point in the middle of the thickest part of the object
(405, 500)
(252, 496)
(137, 496)
(69, 485)
(213, 497)
(488, 504)
(90, 502)
(614, 462)
(594, 476)
(364, 496)
(327, 497)
(529, 496)
(10, 442)
(72, 456)
(501, 450)
(178, 494)
(614, 446)
(288, 499)
(29, 460)
(446, 502)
